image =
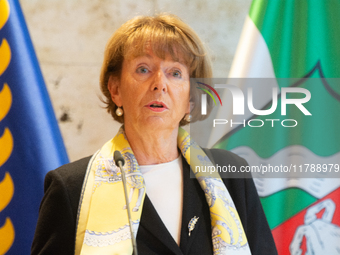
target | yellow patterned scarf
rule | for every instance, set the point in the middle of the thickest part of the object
(102, 222)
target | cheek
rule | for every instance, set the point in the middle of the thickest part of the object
(184, 96)
(130, 98)
(188, 104)
(186, 92)
(129, 92)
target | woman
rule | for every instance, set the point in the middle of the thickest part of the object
(145, 78)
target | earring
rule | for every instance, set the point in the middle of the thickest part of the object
(119, 111)
(187, 117)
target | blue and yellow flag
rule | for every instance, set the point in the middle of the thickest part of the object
(30, 140)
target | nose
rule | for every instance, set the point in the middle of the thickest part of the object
(159, 82)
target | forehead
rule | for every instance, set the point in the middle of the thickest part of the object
(150, 54)
(160, 46)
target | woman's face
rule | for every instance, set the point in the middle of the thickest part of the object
(154, 92)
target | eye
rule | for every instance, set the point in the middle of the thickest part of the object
(142, 69)
(177, 74)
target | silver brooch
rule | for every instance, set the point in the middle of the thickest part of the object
(192, 224)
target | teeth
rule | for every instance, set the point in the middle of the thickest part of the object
(157, 105)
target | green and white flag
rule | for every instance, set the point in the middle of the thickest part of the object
(301, 40)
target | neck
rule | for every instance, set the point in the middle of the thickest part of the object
(153, 147)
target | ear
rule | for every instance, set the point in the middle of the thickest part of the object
(113, 87)
(190, 107)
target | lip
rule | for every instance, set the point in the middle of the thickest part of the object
(156, 109)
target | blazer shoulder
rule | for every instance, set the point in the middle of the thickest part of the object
(220, 155)
(68, 177)
(71, 174)
(74, 169)
(55, 229)
(228, 164)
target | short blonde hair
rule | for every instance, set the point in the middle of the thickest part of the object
(165, 34)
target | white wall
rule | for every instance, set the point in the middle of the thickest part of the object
(69, 37)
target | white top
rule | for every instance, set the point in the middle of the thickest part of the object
(164, 186)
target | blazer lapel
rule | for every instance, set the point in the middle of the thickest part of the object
(193, 199)
(152, 224)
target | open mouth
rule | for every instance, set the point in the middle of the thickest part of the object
(156, 106)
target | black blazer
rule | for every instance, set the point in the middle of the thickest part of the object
(56, 230)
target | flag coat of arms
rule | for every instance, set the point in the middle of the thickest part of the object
(300, 40)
